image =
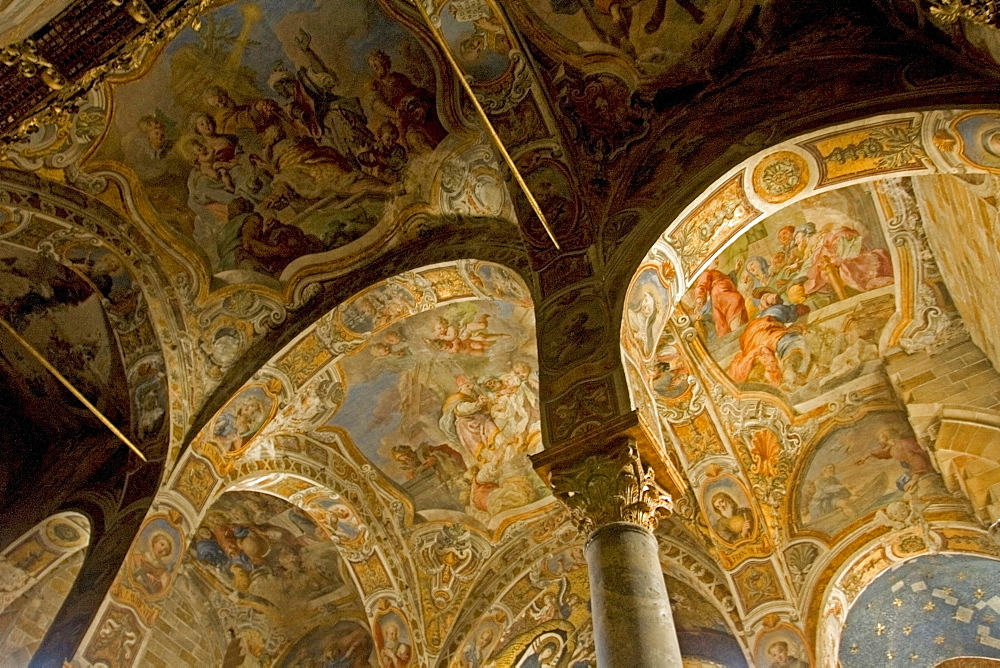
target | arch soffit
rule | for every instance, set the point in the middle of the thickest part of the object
(27, 560)
(291, 454)
(894, 145)
(861, 151)
(869, 149)
(92, 240)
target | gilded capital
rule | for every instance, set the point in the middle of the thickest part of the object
(611, 486)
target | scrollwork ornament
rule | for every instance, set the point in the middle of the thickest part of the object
(25, 57)
(70, 93)
(612, 487)
(933, 325)
(505, 100)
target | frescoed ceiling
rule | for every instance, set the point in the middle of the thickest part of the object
(269, 155)
(786, 377)
(272, 558)
(261, 145)
(275, 244)
(446, 405)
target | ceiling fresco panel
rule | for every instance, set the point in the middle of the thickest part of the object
(771, 307)
(266, 550)
(673, 42)
(873, 463)
(275, 133)
(347, 643)
(811, 443)
(445, 403)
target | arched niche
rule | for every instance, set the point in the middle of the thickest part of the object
(261, 578)
(36, 573)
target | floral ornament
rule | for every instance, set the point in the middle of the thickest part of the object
(780, 177)
(765, 453)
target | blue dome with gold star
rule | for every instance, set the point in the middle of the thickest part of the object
(925, 611)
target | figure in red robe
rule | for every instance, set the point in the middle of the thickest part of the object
(855, 267)
(728, 308)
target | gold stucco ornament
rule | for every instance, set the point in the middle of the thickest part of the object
(984, 12)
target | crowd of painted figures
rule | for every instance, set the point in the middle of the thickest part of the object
(260, 172)
(763, 298)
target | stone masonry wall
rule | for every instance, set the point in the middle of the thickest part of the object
(25, 621)
(187, 632)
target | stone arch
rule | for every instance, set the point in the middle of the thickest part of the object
(91, 239)
(714, 425)
(38, 571)
(968, 452)
(905, 144)
(91, 243)
(839, 576)
(303, 533)
(281, 427)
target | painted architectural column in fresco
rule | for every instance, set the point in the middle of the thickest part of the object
(615, 499)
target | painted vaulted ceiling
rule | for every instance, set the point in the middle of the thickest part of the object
(273, 243)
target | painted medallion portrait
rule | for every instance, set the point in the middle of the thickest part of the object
(154, 559)
(646, 313)
(476, 35)
(392, 640)
(980, 139)
(729, 510)
(783, 648)
(236, 425)
(339, 519)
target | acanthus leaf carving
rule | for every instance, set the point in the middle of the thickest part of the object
(610, 487)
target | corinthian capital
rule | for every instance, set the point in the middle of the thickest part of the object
(610, 486)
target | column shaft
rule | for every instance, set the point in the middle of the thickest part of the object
(633, 624)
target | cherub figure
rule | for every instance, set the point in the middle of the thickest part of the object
(393, 344)
(464, 335)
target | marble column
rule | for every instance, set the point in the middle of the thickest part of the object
(617, 502)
